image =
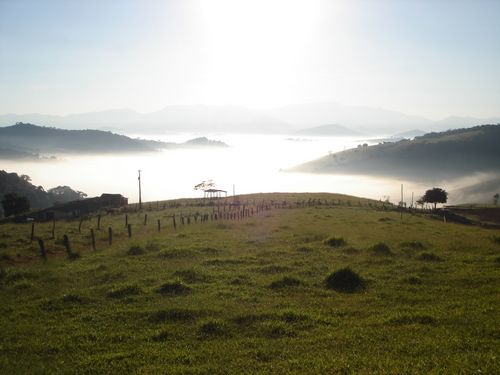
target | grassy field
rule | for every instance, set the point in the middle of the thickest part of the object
(253, 295)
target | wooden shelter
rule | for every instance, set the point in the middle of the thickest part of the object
(214, 193)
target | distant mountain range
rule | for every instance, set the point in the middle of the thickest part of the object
(234, 119)
(433, 156)
(331, 130)
(23, 141)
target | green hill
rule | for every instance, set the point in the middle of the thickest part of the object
(434, 155)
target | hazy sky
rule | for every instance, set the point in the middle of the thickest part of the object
(432, 58)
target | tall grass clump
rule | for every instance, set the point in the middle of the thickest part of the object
(335, 241)
(430, 257)
(345, 280)
(381, 249)
(285, 282)
(175, 288)
(135, 250)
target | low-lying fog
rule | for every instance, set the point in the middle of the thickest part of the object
(253, 163)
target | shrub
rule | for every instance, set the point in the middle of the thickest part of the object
(175, 288)
(135, 250)
(285, 282)
(381, 249)
(345, 280)
(496, 239)
(429, 257)
(335, 241)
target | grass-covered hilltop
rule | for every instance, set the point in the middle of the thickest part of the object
(281, 283)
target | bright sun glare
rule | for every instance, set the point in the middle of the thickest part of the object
(258, 45)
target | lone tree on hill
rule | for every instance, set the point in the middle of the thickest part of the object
(14, 204)
(435, 195)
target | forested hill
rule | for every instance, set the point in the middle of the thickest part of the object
(39, 139)
(447, 154)
(29, 141)
(37, 196)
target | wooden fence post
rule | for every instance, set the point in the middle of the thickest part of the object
(92, 237)
(53, 229)
(80, 226)
(67, 245)
(32, 237)
(42, 249)
(145, 219)
(110, 236)
(129, 230)
(159, 225)
(99, 222)
(173, 220)
(126, 220)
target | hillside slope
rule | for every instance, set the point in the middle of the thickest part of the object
(448, 154)
(28, 141)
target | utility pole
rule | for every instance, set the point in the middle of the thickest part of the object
(140, 198)
(401, 201)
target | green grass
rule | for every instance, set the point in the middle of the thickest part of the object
(251, 295)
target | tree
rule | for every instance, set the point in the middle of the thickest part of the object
(204, 185)
(14, 204)
(420, 202)
(62, 194)
(495, 199)
(435, 195)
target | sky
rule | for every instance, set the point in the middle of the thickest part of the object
(430, 58)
